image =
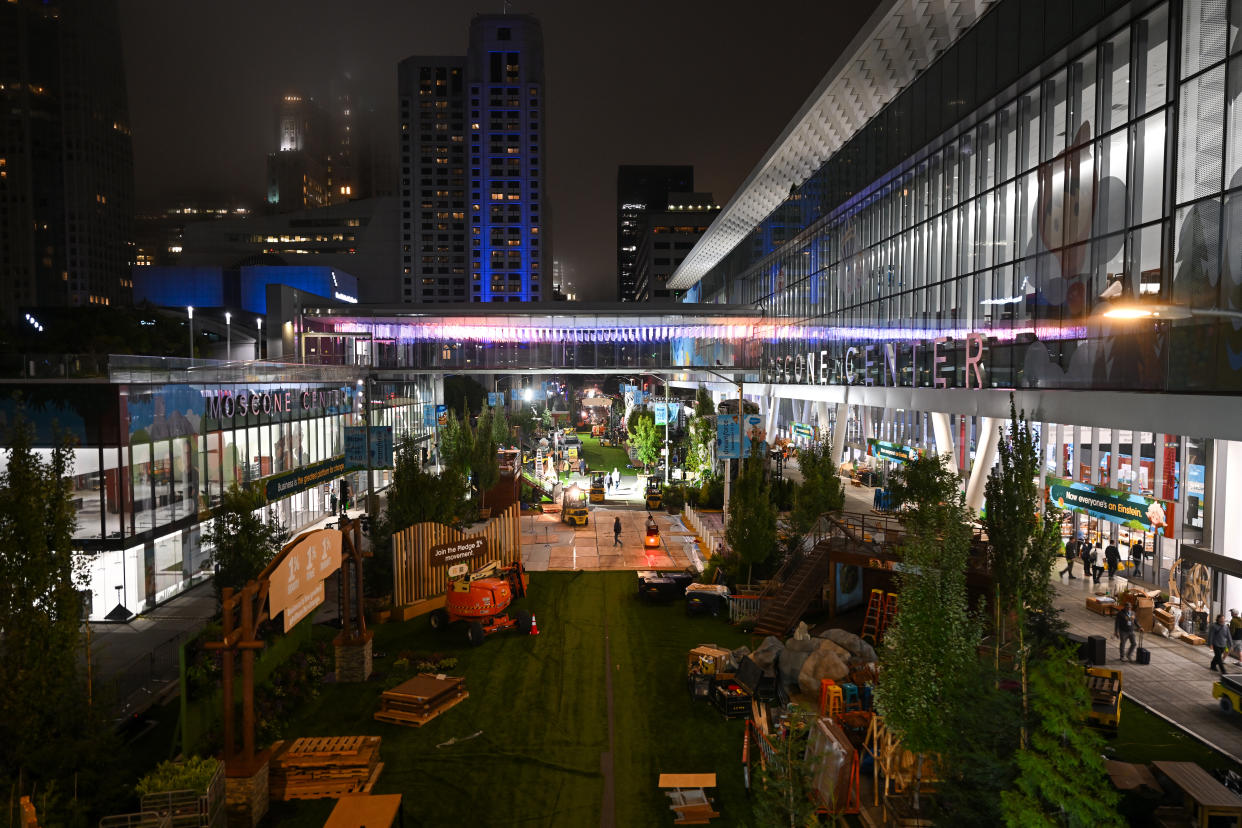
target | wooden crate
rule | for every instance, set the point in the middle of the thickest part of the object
(324, 767)
(421, 699)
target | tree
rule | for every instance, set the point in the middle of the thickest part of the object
(702, 430)
(820, 491)
(645, 437)
(50, 735)
(501, 433)
(463, 393)
(483, 466)
(243, 543)
(751, 532)
(1061, 776)
(930, 647)
(457, 441)
(415, 496)
(783, 788)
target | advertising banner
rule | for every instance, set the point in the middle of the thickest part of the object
(355, 446)
(1135, 511)
(381, 447)
(728, 442)
(673, 409)
(462, 551)
(804, 431)
(891, 451)
(290, 482)
(661, 413)
(296, 585)
(441, 415)
(429, 416)
(638, 397)
(495, 398)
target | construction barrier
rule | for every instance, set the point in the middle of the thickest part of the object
(414, 577)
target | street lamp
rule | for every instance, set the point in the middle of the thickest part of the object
(190, 313)
(258, 343)
(1166, 311)
(228, 335)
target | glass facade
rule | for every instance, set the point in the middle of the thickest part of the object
(151, 459)
(1110, 175)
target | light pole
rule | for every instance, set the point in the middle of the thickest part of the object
(190, 313)
(258, 343)
(228, 335)
(667, 457)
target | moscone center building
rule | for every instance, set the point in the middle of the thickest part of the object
(947, 221)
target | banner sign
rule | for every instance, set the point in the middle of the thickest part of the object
(296, 586)
(891, 451)
(733, 441)
(441, 415)
(804, 430)
(661, 414)
(673, 409)
(495, 398)
(1136, 511)
(381, 447)
(355, 446)
(638, 397)
(462, 551)
(290, 482)
(429, 416)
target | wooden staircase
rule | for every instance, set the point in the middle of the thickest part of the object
(792, 591)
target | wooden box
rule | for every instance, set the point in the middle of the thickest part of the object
(1102, 607)
(1191, 638)
(707, 659)
(421, 699)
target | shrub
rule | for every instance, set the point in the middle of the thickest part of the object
(194, 774)
(711, 494)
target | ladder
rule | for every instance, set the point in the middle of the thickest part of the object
(871, 624)
(890, 612)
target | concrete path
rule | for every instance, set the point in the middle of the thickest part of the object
(1176, 686)
(549, 544)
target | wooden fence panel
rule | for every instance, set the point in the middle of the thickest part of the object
(414, 579)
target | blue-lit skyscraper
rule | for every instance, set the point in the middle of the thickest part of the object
(472, 181)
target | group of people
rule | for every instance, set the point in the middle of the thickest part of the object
(1095, 560)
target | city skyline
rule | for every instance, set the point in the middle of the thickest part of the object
(678, 83)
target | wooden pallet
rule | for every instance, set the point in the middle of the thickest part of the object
(324, 767)
(421, 699)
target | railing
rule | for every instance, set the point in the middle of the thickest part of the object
(712, 539)
(132, 689)
(746, 606)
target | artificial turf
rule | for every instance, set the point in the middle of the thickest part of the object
(540, 703)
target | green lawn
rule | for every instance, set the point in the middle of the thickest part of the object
(540, 702)
(603, 458)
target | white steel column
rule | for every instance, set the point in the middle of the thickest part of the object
(839, 432)
(943, 432)
(985, 457)
(1226, 516)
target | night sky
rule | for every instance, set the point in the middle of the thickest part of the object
(639, 82)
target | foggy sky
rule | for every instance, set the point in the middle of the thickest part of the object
(641, 82)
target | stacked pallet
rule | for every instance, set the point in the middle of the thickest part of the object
(421, 699)
(324, 767)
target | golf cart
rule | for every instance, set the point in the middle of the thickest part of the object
(481, 598)
(707, 599)
(598, 488)
(574, 507)
(655, 495)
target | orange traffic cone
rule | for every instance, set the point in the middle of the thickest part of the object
(534, 627)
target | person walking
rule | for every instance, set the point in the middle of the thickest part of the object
(1218, 639)
(1097, 563)
(1084, 552)
(1123, 629)
(1112, 557)
(616, 478)
(616, 531)
(1071, 546)
(1235, 633)
(1136, 557)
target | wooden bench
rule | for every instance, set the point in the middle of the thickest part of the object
(1205, 798)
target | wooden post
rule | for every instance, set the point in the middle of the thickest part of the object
(230, 746)
(248, 635)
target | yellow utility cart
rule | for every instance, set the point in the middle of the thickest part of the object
(1104, 687)
(574, 509)
(655, 495)
(598, 489)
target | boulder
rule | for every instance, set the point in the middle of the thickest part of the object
(791, 665)
(735, 658)
(766, 655)
(819, 665)
(802, 645)
(833, 647)
(859, 649)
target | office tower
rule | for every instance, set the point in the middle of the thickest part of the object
(66, 160)
(666, 236)
(473, 212)
(299, 173)
(639, 189)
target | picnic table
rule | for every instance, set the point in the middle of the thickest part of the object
(1204, 796)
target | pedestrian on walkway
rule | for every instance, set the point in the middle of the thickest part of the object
(1097, 563)
(1123, 629)
(1084, 553)
(616, 477)
(616, 531)
(1136, 557)
(1218, 639)
(1071, 546)
(1235, 633)
(1113, 557)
